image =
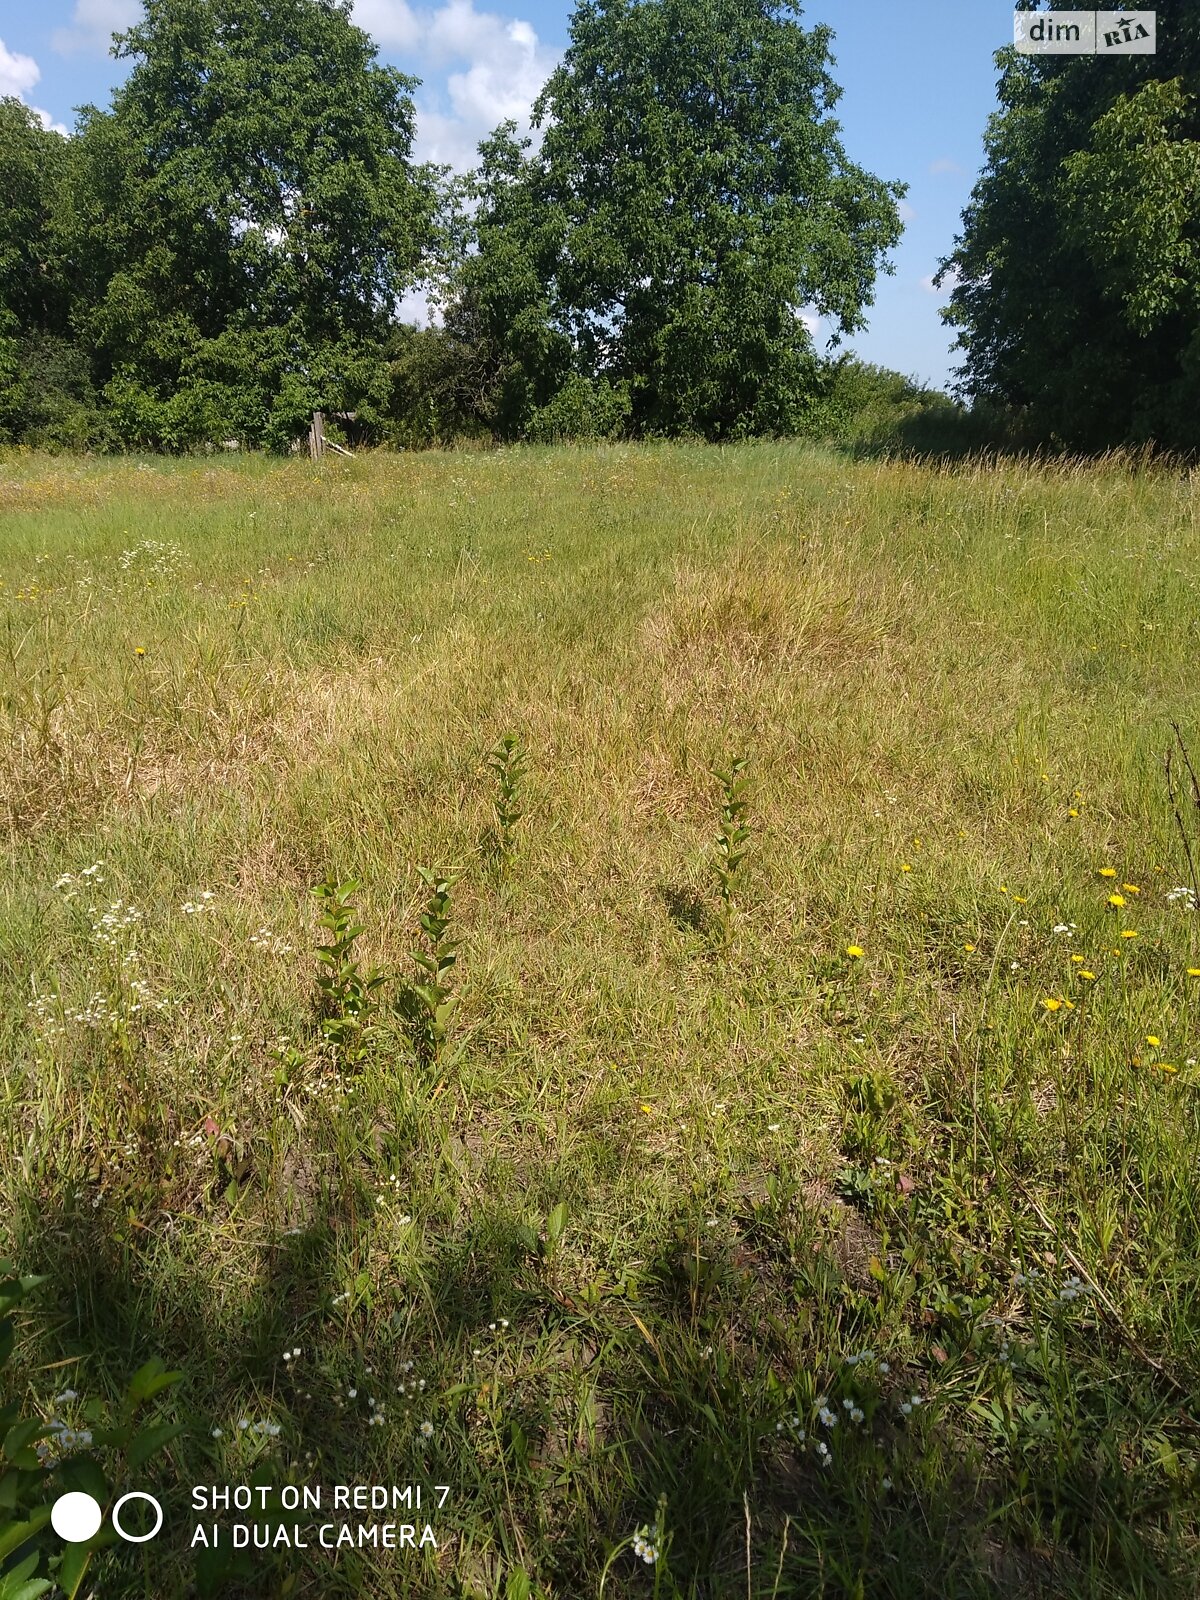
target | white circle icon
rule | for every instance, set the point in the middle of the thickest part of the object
(136, 1538)
(75, 1517)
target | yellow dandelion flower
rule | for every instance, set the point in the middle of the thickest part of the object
(1165, 1066)
(1108, 872)
(1116, 899)
(1077, 958)
(1194, 972)
(1003, 888)
(1129, 933)
(904, 867)
(855, 950)
(1152, 1038)
(140, 651)
(1131, 888)
(1072, 812)
(1021, 899)
(969, 948)
(1051, 1004)
(1088, 975)
(649, 1110)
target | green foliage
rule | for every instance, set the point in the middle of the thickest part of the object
(1076, 277)
(33, 162)
(40, 405)
(1130, 204)
(507, 761)
(689, 194)
(733, 836)
(500, 304)
(244, 219)
(347, 1004)
(53, 402)
(583, 409)
(40, 1461)
(428, 1005)
(423, 399)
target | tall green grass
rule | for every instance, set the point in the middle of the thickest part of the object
(627, 1232)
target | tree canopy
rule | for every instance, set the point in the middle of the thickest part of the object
(1077, 271)
(244, 218)
(689, 198)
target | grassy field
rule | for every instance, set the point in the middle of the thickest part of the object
(833, 1223)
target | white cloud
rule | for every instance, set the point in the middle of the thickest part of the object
(949, 283)
(18, 74)
(48, 122)
(945, 164)
(415, 306)
(93, 23)
(391, 23)
(500, 63)
(907, 214)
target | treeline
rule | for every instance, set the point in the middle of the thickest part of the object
(226, 248)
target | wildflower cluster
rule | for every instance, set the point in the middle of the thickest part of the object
(264, 939)
(867, 1357)
(793, 1425)
(108, 927)
(391, 1191)
(62, 1440)
(264, 1429)
(151, 559)
(70, 884)
(1072, 1288)
(191, 908)
(644, 1547)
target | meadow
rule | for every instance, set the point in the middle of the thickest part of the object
(779, 1174)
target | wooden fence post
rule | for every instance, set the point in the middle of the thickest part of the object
(316, 436)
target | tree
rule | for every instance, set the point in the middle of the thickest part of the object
(689, 197)
(245, 218)
(1077, 270)
(44, 381)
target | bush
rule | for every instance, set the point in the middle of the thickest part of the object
(584, 408)
(47, 398)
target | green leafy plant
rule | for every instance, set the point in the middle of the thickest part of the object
(346, 993)
(508, 763)
(39, 1461)
(428, 1005)
(733, 836)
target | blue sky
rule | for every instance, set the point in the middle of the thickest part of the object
(918, 85)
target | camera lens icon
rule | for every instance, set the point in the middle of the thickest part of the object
(136, 1538)
(77, 1516)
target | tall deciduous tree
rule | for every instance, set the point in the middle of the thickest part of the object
(34, 298)
(1077, 271)
(689, 197)
(245, 216)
